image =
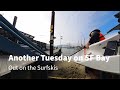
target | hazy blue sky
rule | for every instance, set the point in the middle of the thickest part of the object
(74, 26)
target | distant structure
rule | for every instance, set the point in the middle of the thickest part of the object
(41, 45)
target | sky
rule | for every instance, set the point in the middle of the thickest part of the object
(73, 26)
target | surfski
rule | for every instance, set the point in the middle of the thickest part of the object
(108, 47)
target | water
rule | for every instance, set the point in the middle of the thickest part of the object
(68, 51)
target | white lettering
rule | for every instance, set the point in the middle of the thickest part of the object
(10, 58)
(23, 58)
(43, 57)
(107, 58)
(69, 58)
